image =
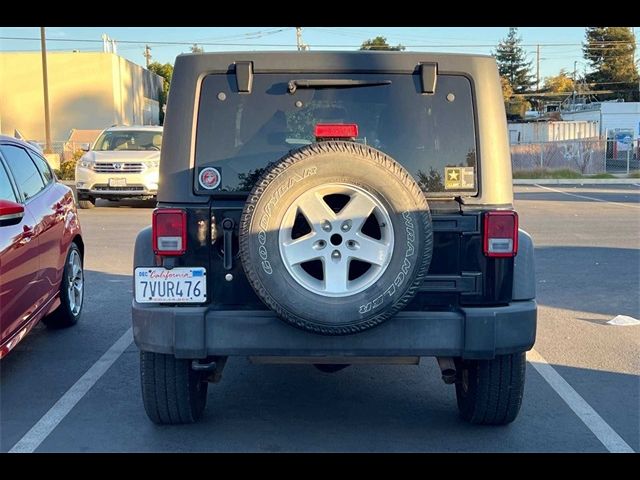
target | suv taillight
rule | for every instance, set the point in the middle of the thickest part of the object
(500, 234)
(169, 227)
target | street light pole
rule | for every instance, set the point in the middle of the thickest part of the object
(45, 82)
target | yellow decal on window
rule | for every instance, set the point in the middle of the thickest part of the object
(459, 178)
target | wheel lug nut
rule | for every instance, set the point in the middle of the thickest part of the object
(335, 255)
(346, 226)
(326, 226)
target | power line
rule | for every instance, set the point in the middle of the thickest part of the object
(605, 45)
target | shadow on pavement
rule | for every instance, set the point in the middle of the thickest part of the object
(102, 203)
(592, 279)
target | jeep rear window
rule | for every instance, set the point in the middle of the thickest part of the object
(242, 134)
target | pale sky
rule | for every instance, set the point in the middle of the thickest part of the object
(553, 57)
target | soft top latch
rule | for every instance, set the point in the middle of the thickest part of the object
(244, 76)
(429, 76)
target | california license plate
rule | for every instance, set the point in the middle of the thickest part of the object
(117, 182)
(178, 285)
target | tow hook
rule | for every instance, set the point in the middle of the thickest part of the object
(213, 368)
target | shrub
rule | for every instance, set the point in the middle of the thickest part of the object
(68, 168)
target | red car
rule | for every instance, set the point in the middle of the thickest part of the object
(41, 247)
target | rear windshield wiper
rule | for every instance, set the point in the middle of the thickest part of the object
(334, 83)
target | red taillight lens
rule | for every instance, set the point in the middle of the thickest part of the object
(336, 130)
(169, 227)
(500, 234)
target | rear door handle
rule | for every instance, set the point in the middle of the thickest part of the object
(227, 237)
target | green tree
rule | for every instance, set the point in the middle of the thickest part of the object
(610, 51)
(380, 43)
(512, 62)
(195, 48)
(431, 182)
(166, 72)
(559, 83)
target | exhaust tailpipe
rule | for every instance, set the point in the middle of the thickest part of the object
(448, 369)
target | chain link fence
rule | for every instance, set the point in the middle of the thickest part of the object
(64, 149)
(585, 156)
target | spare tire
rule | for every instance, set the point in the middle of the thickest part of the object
(336, 237)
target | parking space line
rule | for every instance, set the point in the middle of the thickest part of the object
(50, 420)
(601, 429)
(588, 198)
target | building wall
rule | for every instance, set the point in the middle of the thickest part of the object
(535, 132)
(610, 116)
(621, 116)
(87, 90)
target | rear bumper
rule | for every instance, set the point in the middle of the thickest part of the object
(195, 332)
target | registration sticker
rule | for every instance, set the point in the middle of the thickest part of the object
(459, 178)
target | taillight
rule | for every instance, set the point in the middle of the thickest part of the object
(336, 130)
(169, 229)
(500, 234)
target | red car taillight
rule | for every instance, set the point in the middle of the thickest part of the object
(500, 234)
(169, 227)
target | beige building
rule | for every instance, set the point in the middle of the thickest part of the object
(87, 90)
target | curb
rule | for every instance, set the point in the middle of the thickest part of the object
(577, 181)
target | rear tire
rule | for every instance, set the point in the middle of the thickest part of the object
(71, 285)
(173, 393)
(90, 203)
(489, 392)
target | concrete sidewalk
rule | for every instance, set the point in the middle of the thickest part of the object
(576, 181)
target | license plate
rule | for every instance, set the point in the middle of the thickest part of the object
(178, 285)
(117, 182)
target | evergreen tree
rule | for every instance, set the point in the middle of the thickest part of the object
(512, 62)
(166, 72)
(610, 51)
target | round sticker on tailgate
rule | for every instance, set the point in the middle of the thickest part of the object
(209, 178)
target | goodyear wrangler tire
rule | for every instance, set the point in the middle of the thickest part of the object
(336, 237)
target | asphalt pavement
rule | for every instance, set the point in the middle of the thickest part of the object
(72, 390)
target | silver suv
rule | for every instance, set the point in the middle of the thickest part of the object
(123, 163)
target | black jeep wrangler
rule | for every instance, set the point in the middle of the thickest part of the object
(334, 208)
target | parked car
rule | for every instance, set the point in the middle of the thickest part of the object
(334, 208)
(41, 247)
(122, 163)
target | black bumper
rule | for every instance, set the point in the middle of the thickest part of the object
(195, 332)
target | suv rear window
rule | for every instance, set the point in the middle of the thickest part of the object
(241, 134)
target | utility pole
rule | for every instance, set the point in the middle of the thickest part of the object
(537, 68)
(575, 66)
(300, 44)
(147, 55)
(45, 83)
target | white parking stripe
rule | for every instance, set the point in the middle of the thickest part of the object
(50, 420)
(601, 429)
(588, 198)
